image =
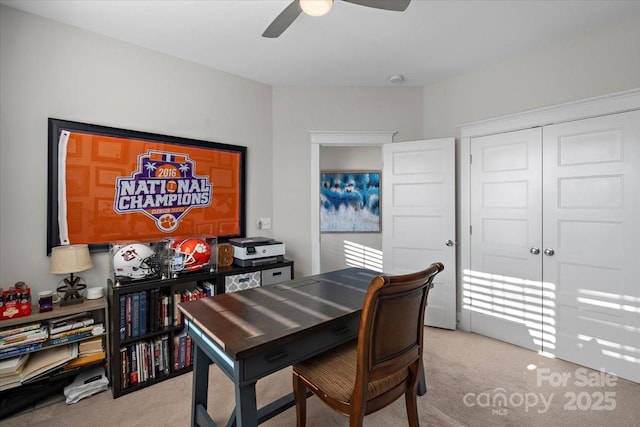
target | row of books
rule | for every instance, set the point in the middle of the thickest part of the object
(152, 310)
(35, 336)
(22, 336)
(193, 294)
(144, 360)
(182, 351)
(149, 359)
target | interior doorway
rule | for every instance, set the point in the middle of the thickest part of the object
(334, 139)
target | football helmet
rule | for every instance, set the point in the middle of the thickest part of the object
(136, 261)
(189, 254)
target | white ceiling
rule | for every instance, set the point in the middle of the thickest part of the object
(351, 46)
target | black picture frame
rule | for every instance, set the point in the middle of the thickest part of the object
(57, 126)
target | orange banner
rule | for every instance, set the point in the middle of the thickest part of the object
(112, 188)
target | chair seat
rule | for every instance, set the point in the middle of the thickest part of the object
(334, 373)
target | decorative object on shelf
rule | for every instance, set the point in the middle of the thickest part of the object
(350, 202)
(70, 259)
(135, 261)
(191, 254)
(15, 301)
(45, 301)
(95, 292)
(225, 254)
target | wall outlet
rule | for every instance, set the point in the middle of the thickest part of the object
(264, 224)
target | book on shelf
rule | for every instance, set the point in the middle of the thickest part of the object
(57, 321)
(154, 312)
(23, 338)
(85, 360)
(138, 314)
(68, 339)
(124, 367)
(157, 356)
(10, 381)
(177, 320)
(165, 354)
(18, 350)
(90, 346)
(72, 321)
(166, 316)
(19, 329)
(143, 313)
(133, 365)
(72, 324)
(72, 332)
(48, 360)
(209, 289)
(75, 335)
(123, 318)
(180, 351)
(13, 365)
(135, 314)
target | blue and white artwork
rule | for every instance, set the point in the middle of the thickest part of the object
(350, 202)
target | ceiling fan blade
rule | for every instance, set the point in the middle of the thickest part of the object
(282, 21)
(394, 5)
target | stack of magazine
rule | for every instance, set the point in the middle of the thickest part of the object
(22, 339)
(15, 345)
(33, 351)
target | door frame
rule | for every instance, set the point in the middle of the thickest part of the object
(591, 107)
(334, 139)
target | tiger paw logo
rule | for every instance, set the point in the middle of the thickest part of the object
(164, 187)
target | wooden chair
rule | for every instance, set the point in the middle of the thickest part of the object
(367, 374)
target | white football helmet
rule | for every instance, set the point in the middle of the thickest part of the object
(136, 261)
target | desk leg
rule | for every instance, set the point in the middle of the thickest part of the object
(246, 405)
(200, 383)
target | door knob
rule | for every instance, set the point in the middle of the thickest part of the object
(534, 250)
(549, 252)
(449, 243)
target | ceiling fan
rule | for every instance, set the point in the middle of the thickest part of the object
(322, 7)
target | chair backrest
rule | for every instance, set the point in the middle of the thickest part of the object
(391, 326)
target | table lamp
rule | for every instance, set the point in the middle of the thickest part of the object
(69, 259)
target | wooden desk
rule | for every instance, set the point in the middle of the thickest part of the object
(253, 333)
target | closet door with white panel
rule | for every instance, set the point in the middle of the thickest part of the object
(505, 278)
(555, 240)
(591, 242)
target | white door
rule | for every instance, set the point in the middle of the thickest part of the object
(503, 287)
(592, 225)
(418, 218)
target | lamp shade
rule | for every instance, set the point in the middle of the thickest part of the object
(70, 259)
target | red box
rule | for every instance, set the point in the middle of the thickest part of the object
(15, 301)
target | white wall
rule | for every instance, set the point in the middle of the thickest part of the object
(596, 64)
(299, 110)
(49, 69)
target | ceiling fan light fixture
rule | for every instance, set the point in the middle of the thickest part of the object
(316, 7)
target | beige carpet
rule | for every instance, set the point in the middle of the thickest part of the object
(467, 374)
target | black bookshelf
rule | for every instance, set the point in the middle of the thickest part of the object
(163, 332)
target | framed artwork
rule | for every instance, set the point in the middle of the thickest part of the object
(350, 202)
(108, 185)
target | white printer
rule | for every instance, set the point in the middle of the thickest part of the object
(252, 251)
